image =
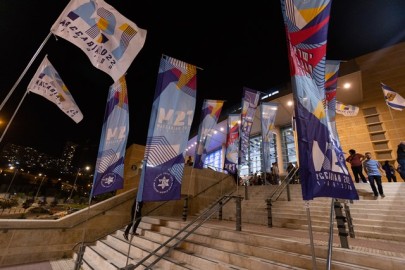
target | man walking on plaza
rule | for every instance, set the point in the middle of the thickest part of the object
(373, 169)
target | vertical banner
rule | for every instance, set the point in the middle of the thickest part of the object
(331, 77)
(232, 144)
(323, 171)
(268, 112)
(109, 171)
(169, 127)
(48, 83)
(249, 104)
(109, 39)
(211, 110)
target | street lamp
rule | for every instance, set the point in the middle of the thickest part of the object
(43, 178)
(12, 179)
(74, 183)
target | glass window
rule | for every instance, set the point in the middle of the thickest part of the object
(255, 156)
(288, 146)
(214, 160)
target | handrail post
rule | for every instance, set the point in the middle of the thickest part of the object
(185, 208)
(238, 200)
(269, 214)
(246, 191)
(80, 255)
(220, 210)
(288, 191)
(349, 220)
(341, 219)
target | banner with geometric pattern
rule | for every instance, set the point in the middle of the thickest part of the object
(268, 112)
(169, 127)
(249, 104)
(323, 172)
(232, 144)
(109, 171)
(211, 110)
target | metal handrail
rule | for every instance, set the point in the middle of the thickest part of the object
(149, 212)
(83, 244)
(279, 190)
(204, 216)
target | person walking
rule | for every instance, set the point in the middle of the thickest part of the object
(389, 171)
(401, 159)
(373, 168)
(355, 160)
(275, 173)
(136, 216)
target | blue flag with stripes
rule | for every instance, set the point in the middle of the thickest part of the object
(169, 127)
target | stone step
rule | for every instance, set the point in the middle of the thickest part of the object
(265, 247)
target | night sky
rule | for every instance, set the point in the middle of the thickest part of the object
(236, 45)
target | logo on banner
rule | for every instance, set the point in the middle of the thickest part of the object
(108, 180)
(329, 168)
(163, 183)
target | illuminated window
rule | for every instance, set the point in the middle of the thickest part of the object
(288, 146)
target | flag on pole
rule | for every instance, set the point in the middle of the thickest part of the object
(211, 110)
(392, 98)
(169, 127)
(249, 104)
(110, 40)
(109, 171)
(232, 144)
(323, 171)
(331, 77)
(346, 110)
(47, 83)
(268, 112)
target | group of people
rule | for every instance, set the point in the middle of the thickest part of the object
(375, 170)
(272, 178)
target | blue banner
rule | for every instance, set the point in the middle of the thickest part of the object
(109, 171)
(323, 171)
(211, 110)
(232, 144)
(249, 104)
(268, 112)
(169, 128)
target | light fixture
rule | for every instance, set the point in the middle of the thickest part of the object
(346, 85)
(289, 103)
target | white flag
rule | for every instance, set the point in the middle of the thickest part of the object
(110, 40)
(47, 83)
(346, 110)
(392, 98)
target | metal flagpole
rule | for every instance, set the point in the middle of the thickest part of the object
(25, 71)
(12, 117)
(392, 119)
(330, 245)
(306, 204)
(82, 248)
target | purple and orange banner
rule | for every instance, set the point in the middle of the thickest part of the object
(323, 171)
(232, 144)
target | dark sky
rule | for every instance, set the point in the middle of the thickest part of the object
(236, 44)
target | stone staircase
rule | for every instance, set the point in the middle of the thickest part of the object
(378, 244)
(382, 218)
